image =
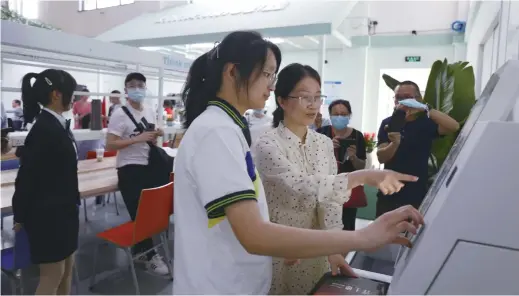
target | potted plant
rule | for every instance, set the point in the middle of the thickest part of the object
(451, 90)
(369, 140)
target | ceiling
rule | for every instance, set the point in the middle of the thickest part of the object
(303, 43)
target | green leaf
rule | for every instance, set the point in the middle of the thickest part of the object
(391, 82)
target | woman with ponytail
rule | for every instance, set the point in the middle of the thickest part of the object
(46, 198)
(224, 240)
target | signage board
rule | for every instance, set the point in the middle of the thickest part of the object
(229, 12)
(413, 59)
(172, 63)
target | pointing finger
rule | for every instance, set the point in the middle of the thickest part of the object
(406, 178)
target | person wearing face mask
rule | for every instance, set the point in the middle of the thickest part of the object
(132, 159)
(350, 143)
(319, 122)
(408, 150)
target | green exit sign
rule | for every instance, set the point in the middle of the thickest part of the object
(413, 59)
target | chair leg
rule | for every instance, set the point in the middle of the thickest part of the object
(115, 202)
(94, 263)
(165, 245)
(2, 226)
(85, 209)
(132, 267)
(13, 284)
(21, 282)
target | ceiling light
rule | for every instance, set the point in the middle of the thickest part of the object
(312, 39)
(202, 45)
(275, 40)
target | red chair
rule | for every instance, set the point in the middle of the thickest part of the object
(93, 155)
(155, 208)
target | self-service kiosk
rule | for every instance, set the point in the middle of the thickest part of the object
(470, 242)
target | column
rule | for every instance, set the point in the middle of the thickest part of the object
(322, 57)
(504, 19)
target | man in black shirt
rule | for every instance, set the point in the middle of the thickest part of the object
(408, 151)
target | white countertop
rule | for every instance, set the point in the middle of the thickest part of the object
(17, 138)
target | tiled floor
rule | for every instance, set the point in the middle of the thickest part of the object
(113, 275)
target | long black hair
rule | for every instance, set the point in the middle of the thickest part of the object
(288, 78)
(247, 50)
(39, 92)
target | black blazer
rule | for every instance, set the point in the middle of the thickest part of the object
(47, 176)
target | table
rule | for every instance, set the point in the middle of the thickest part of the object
(84, 166)
(90, 184)
(9, 155)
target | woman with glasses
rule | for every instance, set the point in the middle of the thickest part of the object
(298, 170)
(350, 151)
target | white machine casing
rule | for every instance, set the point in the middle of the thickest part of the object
(470, 242)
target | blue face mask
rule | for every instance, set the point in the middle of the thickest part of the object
(258, 111)
(340, 122)
(137, 95)
(412, 103)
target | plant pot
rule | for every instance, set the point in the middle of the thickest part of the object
(369, 160)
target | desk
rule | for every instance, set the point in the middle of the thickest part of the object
(90, 184)
(9, 155)
(84, 166)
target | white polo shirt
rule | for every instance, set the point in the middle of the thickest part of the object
(214, 169)
(122, 126)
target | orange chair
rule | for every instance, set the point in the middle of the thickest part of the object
(155, 207)
(92, 155)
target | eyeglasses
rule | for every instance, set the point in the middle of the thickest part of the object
(310, 100)
(271, 77)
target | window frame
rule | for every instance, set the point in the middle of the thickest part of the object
(81, 4)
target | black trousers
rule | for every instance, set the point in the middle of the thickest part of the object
(132, 180)
(348, 218)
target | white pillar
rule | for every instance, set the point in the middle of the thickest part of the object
(322, 57)
(504, 19)
(460, 51)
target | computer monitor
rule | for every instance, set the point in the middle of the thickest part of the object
(470, 241)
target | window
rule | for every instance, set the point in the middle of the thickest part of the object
(27, 8)
(98, 4)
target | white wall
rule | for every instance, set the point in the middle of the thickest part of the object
(492, 38)
(397, 17)
(349, 67)
(64, 15)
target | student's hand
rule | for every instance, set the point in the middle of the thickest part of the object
(336, 142)
(291, 262)
(338, 265)
(352, 151)
(146, 137)
(387, 229)
(17, 227)
(394, 137)
(160, 132)
(387, 181)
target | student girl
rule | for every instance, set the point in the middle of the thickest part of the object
(46, 198)
(224, 240)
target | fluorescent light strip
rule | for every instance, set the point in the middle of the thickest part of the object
(312, 39)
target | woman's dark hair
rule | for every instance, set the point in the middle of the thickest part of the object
(288, 78)
(245, 49)
(39, 92)
(115, 92)
(339, 102)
